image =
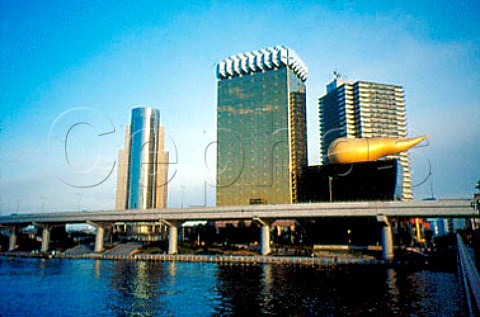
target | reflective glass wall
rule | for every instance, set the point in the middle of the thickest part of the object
(142, 169)
(261, 137)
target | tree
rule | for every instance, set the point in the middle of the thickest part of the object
(478, 185)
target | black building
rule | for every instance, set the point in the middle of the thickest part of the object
(367, 181)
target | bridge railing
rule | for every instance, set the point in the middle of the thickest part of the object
(470, 277)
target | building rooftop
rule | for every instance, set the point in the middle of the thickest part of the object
(338, 82)
(261, 60)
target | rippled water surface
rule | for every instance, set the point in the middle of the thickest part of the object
(32, 287)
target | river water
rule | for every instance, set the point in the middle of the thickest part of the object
(38, 287)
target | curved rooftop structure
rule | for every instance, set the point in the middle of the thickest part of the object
(261, 60)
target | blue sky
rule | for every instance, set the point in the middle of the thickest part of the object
(93, 61)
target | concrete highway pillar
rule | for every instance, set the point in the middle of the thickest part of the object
(173, 240)
(387, 238)
(45, 238)
(12, 239)
(265, 240)
(172, 235)
(264, 235)
(99, 236)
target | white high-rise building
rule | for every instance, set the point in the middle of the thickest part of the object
(359, 109)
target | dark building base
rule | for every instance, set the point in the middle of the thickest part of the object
(367, 181)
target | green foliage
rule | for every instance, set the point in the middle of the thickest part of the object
(154, 247)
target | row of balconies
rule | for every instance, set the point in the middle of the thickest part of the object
(369, 95)
(384, 105)
(380, 113)
(384, 110)
(382, 118)
(382, 126)
(378, 86)
(376, 118)
(382, 129)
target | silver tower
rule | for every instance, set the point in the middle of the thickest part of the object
(143, 164)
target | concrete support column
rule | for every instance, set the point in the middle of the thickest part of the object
(264, 235)
(45, 238)
(99, 236)
(46, 229)
(172, 235)
(265, 240)
(173, 240)
(387, 238)
(12, 239)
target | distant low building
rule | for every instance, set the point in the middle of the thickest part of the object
(80, 228)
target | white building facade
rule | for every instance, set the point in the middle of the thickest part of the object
(359, 109)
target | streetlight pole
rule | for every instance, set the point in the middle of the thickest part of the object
(79, 196)
(43, 202)
(183, 191)
(330, 187)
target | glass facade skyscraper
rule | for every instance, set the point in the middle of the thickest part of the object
(261, 127)
(143, 164)
(359, 109)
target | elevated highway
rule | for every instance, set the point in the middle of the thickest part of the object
(423, 209)
(264, 214)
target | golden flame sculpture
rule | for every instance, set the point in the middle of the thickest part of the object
(344, 150)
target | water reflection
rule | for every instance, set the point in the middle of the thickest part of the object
(98, 268)
(134, 288)
(239, 290)
(137, 288)
(343, 291)
(266, 291)
(172, 270)
(424, 293)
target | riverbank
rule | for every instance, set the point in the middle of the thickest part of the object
(232, 259)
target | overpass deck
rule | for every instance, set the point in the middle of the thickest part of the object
(423, 209)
